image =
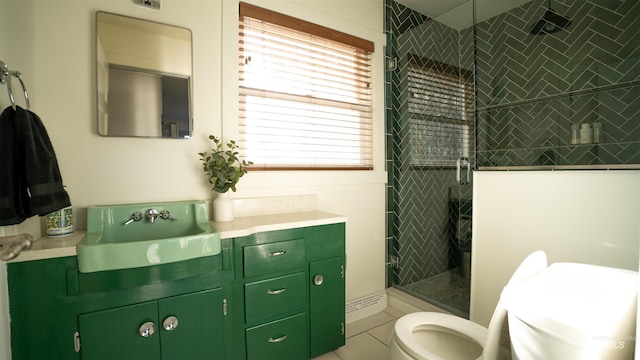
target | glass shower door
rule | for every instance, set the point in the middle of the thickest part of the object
(431, 124)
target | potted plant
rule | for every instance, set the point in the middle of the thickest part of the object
(223, 169)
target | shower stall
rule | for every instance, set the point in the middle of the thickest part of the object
(496, 85)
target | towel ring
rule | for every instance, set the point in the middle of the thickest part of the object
(5, 76)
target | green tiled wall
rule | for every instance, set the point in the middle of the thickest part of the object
(532, 88)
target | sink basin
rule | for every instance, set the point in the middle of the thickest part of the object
(109, 244)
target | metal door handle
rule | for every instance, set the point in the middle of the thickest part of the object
(318, 279)
(459, 179)
(147, 329)
(468, 170)
(170, 323)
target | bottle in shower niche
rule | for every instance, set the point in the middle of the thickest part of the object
(575, 134)
(597, 132)
(585, 133)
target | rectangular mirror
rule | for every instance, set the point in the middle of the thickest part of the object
(144, 76)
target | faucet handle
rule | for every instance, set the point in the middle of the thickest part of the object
(166, 215)
(136, 216)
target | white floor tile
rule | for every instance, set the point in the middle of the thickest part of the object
(394, 312)
(383, 332)
(367, 323)
(327, 356)
(363, 347)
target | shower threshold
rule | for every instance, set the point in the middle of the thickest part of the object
(447, 290)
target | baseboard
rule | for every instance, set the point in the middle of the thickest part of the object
(366, 306)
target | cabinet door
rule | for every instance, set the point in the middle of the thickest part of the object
(199, 331)
(326, 305)
(116, 333)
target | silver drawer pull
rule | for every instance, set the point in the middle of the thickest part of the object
(277, 340)
(276, 253)
(276, 292)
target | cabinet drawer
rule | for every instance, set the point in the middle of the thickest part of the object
(278, 256)
(275, 296)
(282, 339)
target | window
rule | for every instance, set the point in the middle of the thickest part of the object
(305, 94)
(440, 108)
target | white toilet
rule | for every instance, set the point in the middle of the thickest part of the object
(574, 311)
(564, 311)
(437, 336)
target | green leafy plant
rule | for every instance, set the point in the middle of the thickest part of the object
(222, 167)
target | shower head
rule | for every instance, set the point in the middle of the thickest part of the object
(551, 22)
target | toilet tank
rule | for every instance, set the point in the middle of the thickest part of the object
(574, 311)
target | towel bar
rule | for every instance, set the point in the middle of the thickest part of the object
(5, 77)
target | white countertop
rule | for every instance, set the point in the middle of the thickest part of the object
(48, 247)
(244, 226)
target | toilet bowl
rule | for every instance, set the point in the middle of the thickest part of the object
(438, 336)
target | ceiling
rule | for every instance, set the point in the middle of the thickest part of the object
(458, 14)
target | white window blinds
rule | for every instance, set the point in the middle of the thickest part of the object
(305, 94)
(440, 105)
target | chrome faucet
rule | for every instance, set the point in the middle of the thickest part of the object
(151, 215)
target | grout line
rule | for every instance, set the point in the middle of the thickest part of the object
(378, 340)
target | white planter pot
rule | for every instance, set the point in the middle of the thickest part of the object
(223, 207)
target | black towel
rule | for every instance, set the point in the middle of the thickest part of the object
(10, 211)
(32, 184)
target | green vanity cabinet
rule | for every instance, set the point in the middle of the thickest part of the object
(289, 293)
(270, 295)
(188, 326)
(59, 313)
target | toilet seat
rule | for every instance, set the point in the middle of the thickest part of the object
(404, 327)
(404, 344)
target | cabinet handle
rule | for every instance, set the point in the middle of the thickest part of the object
(170, 323)
(276, 292)
(318, 279)
(147, 329)
(276, 253)
(277, 340)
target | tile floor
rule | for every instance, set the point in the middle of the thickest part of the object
(368, 338)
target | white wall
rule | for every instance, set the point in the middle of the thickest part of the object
(17, 50)
(574, 216)
(55, 50)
